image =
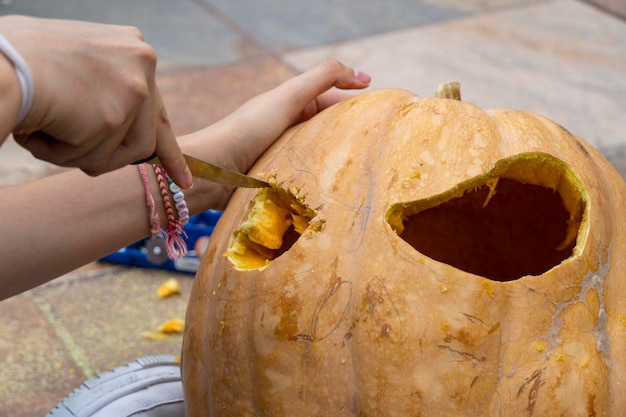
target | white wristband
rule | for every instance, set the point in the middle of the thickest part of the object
(24, 76)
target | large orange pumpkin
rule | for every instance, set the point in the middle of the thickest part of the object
(417, 257)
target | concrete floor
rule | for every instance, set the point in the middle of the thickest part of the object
(565, 59)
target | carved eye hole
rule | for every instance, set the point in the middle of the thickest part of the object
(275, 221)
(522, 218)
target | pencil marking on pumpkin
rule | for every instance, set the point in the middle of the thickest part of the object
(339, 295)
(475, 360)
(382, 309)
(534, 393)
(302, 337)
(535, 375)
(474, 319)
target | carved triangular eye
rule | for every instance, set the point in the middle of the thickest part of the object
(520, 219)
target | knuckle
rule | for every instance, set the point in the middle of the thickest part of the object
(112, 120)
(139, 87)
(94, 165)
(133, 31)
(332, 65)
(163, 117)
(140, 48)
(147, 54)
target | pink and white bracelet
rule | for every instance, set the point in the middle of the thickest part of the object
(170, 241)
(153, 216)
(176, 245)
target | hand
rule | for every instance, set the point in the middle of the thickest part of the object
(96, 104)
(262, 119)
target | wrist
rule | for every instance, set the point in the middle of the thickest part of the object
(10, 96)
(24, 77)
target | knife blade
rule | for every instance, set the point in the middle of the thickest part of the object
(210, 172)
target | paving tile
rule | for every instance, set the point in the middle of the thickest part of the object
(563, 59)
(35, 368)
(180, 31)
(289, 24)
(618, 7)
(283, 25)
(105, 315)
(197, 96)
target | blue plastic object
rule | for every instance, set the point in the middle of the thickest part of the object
(199, 226)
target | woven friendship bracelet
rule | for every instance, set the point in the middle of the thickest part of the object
(24, 76)
(153, 216)
(176, 245)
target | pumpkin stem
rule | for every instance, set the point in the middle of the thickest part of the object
(450, 89)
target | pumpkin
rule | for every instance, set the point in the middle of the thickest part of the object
(415, 257)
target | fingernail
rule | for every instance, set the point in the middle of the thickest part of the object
(188, 179)
(361, 76)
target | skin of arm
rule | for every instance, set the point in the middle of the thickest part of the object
(58, 223)
(10, 96)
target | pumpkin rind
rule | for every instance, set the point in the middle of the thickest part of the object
(353, 320)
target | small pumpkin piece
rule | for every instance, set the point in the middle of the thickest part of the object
(169, 288)
(154, 336)
(174, 326)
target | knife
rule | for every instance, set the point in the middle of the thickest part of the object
(210, 172)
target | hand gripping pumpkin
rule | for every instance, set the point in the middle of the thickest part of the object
(416, 257)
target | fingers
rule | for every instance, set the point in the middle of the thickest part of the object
(321, 102)
(92, 157)
(168, 150)
(149, 133)
(322, 77)
(145, 133)
(333, 73)
(310, 93)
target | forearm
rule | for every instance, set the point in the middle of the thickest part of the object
(56, 224)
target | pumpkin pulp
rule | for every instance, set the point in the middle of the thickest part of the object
(274, 222)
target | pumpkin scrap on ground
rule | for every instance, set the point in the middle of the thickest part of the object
(169, 288)
(448, 260)
(173, 326)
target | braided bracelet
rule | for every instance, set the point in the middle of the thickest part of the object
(156, 247)
(176, 245)
(24, 77)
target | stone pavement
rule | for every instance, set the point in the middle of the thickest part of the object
(564, 59)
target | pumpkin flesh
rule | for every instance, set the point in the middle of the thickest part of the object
(355, 317)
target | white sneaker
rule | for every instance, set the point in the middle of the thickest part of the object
(148, 387)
